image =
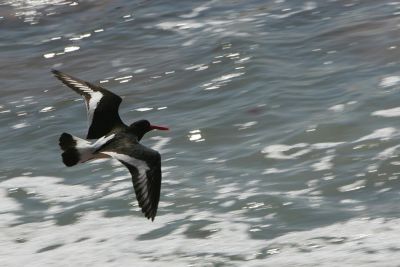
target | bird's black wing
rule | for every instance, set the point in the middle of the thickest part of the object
(101, 104)
(144, 164)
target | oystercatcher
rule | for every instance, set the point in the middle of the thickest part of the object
(116, 140)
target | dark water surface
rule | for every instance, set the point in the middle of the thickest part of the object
(284, 143)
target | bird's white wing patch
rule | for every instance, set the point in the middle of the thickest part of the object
(94, 100)
(102, 141)
(140, 165)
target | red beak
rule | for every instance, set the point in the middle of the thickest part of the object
(162, 128)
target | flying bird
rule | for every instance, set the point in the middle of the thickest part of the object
(115, 139)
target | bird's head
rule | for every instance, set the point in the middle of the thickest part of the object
(139, 128)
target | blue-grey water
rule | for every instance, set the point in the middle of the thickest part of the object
(284, 147)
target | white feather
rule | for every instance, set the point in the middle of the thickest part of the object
(139, 164)
(95, 97)
(86, 148)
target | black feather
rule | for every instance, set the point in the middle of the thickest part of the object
(70, 157)
(66, 141)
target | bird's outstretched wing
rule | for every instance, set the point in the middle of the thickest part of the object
(101, 104)
(144, 164)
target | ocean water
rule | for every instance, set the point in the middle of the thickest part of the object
(284, 143)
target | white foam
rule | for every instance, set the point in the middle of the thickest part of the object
(389, 81)
(277, 151)
(195, 136)
(47, 109)
(382, 134)
(228, 77)
(324, 164)
(246, 125)
(49, 55)
(49, 188)
(144, 109)
(337, 108)
(393, 112)
(180, 25)
(196, 11)
(20, 125)
(387, 153)
(326, 145)
(68, 49)
(117, 241)
(7, 204)
(353, 186)
(275, 170)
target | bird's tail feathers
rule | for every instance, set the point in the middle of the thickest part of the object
(78, 150)
(70, 157)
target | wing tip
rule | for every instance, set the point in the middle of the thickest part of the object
(55, 72)
(58, 74)
(150, 215)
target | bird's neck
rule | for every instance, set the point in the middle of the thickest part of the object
(138, 133)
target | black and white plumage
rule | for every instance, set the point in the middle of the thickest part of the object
(101, 105)
(116, 140)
